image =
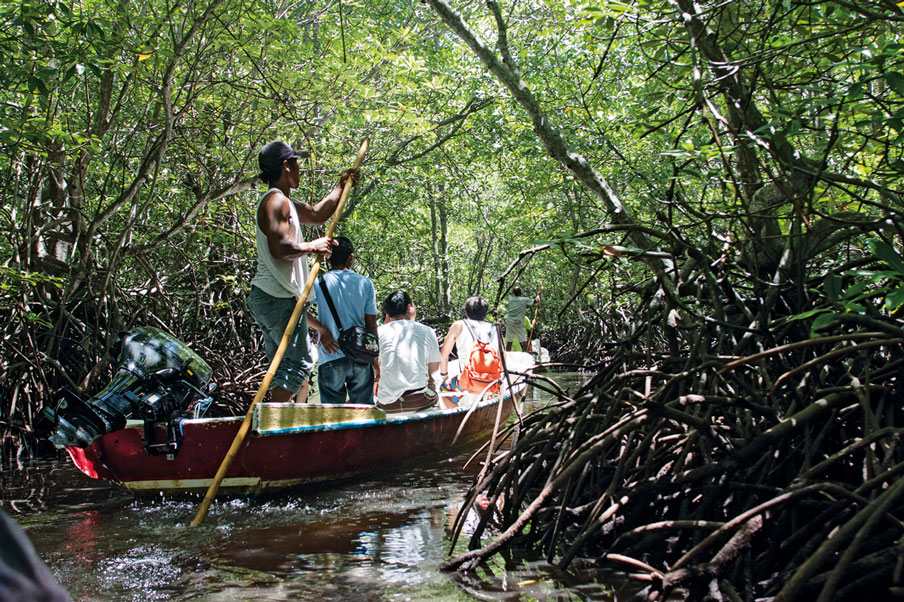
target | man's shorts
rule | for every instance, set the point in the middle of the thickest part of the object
(514, 331)
(272, 315)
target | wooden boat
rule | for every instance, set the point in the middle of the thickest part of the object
(293, 444)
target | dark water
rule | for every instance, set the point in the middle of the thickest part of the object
(378, 538)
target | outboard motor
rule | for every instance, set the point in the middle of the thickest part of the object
(159, 380)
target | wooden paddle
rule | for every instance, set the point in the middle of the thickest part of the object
(533, 325)
(277, 357)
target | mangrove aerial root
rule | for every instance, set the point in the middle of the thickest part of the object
(726, 458)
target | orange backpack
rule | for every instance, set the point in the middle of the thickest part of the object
(484, 367)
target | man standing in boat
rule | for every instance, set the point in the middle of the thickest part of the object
(409, 357)
(355, 302)
(516, 307)
(282, 262)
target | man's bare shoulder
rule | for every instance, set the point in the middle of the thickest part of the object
(275, 199)
(274, 208)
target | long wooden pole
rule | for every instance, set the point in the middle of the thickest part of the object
(533, 325)
(277, 357)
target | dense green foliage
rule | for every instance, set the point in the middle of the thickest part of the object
(129, 136)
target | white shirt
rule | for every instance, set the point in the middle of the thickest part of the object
(406, 349)
(279, 277)
(486, 333)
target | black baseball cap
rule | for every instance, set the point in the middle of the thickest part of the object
(274, 153)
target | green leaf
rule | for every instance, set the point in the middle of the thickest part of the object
(895, 81)
(807, 314)
(855, 289)
(36, 84)
(823, 321)
(887, 253)
(854, 308)
(832, 286)
(894, 299)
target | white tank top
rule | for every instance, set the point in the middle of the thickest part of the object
(485, 331)
(279, 277)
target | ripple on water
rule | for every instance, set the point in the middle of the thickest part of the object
(141, 573)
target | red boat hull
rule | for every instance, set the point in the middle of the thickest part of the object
(282, 458)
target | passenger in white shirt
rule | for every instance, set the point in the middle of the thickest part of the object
(409, 358)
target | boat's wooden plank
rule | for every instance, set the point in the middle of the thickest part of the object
(249, 484)
(270, 417)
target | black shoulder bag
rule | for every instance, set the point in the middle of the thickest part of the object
(357, 343)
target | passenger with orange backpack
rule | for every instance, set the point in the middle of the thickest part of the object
(478, 351)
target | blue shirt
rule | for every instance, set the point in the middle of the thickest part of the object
(353, 296)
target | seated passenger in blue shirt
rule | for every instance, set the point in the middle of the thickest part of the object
(355, 301)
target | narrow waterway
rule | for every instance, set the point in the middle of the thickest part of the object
(378, 538)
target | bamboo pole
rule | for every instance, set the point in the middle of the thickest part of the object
(533, 325)
(277, 357)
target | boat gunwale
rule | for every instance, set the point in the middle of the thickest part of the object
(335, 426)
